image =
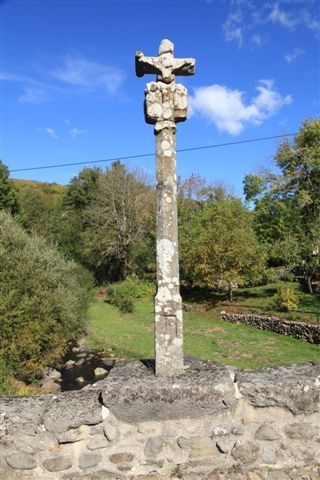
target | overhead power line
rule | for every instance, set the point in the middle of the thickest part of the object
(129, 157)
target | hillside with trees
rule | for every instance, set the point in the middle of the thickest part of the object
(56, 240)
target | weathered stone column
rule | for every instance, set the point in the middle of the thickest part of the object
(166, 104)
(168, 304)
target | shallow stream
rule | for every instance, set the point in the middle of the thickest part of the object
(78, 367)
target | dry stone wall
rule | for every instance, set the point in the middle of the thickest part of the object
(308, 332)
(212, 423)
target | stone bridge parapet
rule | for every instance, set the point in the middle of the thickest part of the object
(211, 423)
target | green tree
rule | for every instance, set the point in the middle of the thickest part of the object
(300, 165)
(287, 206)
(118, 223)
(219, 246)
(43, 298)
(8, 200)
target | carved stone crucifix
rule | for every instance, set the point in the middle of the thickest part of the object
(166, 103)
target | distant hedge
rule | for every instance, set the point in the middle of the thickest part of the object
(43, 298)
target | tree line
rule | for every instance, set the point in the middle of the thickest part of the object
(102, 226)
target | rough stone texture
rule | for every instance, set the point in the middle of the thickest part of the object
(79, 408)
(245, 451)
(21, 461)
(304, 331)
(205, 387)
(110, 430)
(211, 423)
(88, 460)
(122, 457)
(98, 443)
(75, 435)
(166, 103)
(301, 430)
(296, 387)
(153, 446)
(57, 464)
(266, 432)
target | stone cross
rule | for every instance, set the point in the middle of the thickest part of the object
(166, 103)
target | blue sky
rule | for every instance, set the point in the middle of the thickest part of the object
(70, 94)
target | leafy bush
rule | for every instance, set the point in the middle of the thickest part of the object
(269, 276)
(43, 298)
(286, 299)
(123, 294)
(288, 277)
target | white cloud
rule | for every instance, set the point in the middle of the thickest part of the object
(232, 28)
(88, 74)
(74, 132)
(33, 94)
(257, 39)
(226, 109)
(282, 17)
(246, 16)
(296, 52)
(49, 131)
(67, 121)
(312, 22)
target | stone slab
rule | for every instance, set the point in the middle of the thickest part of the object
(296, 387)
(72, 409)
(134, 394)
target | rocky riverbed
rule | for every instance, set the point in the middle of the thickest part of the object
(80, 368)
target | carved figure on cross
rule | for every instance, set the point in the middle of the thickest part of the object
(166, 67)
(165, 100)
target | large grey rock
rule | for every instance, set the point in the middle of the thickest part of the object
(74, 435)
(88, 460)
(266, 432)
(296, 387)
(245, 451)
(72, 409)
(269, 454)
(21, 461)
(57, 464)
(23, 414)
(134, 394)
(25, 443)
(50, 386)
(99, 371)
(301, 431)
(153, 446)
(225, 444)
(203, 447)
(111, 431)
(98, 443)
(54, 374)
(121, 457)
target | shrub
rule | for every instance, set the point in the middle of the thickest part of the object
(286, 299)
(269, 276)
(288, 277)
(126, 305)
(43, 298)
(123, 294)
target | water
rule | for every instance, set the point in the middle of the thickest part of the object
(86, 361)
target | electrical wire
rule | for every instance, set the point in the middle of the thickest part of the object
(128, 157)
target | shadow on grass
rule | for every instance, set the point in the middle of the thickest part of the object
(265, 292)
(200, 295)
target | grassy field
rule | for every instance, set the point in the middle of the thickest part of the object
(130, 335)
(261, 300)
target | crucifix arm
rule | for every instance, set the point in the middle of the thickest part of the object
(146, 65)
(184, 66)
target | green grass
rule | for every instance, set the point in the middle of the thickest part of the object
(205, 336)
(261, 300)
